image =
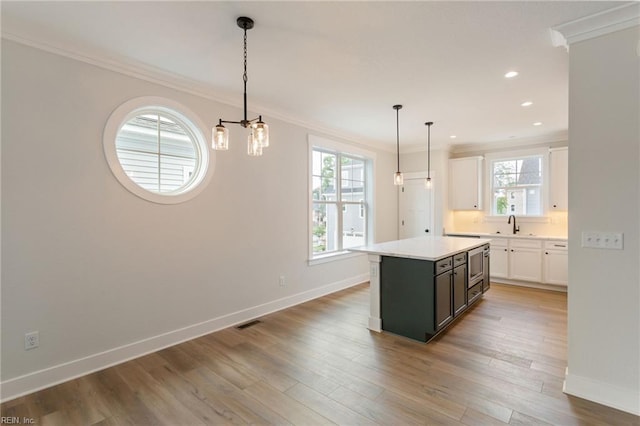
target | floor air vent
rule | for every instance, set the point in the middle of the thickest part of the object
(247, 324)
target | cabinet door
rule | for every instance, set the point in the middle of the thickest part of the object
(444, 311)
(525, 264)
(556, 267)
(499, 261)
(465, 180)
(459, 289)
(558, 179)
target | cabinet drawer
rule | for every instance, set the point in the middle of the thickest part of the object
(499, 242)
(459, 259)
(443, 265)
(556, 245)
(518, 243)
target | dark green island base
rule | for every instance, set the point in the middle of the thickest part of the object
(420, 298)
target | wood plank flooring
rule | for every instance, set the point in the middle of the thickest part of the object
(502, 363)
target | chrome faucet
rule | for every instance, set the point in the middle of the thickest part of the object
(515, 228)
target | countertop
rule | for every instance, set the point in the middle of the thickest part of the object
(494, 235)
(423, 248)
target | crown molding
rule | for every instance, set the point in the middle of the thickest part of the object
(557, 139)
(177, 82)
(598, 24)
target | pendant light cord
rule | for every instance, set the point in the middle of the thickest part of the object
(429, 151)
(398, 136)
(244, 76)
(428, 124)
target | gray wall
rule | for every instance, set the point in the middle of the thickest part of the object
(604, 195)
(94, 268)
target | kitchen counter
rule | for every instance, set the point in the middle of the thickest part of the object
(496, 235)
(423, 248)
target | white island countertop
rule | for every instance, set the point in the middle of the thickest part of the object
(423, 248)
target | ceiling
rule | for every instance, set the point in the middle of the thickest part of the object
(339, 66)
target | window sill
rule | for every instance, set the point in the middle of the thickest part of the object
(326, 258)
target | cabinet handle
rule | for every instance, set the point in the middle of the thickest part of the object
(506, 250)
(546, 252)
(554, 206)
(512, 250)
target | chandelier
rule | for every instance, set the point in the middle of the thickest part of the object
(259, 135)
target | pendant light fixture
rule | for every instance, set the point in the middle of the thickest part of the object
(259, 135)
(398, 178)
(427, 182)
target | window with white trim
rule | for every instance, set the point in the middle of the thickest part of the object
(340, 200)
(517, 186)
(156, 150)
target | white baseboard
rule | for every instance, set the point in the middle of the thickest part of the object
(603, 393)
(28, 383)
(531, 284)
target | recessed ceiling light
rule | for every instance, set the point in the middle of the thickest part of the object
(537, 123)
(453, 136)
(526, 104)
(511, 74)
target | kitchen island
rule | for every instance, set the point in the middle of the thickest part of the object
(418, 286)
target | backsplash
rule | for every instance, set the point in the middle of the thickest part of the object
(555, 224)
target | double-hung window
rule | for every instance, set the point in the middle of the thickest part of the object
(517, 185)
(339, 200)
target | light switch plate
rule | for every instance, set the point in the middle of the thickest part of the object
(603, 240)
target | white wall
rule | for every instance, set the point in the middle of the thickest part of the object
(97, 270)
(604, 195)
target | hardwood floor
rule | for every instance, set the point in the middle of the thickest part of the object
(502, 363)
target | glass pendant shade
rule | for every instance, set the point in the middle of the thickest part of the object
(398, 179)
(253, 146)
(220, 139)
(427, 183)
(261, 133)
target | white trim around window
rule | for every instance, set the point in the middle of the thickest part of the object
(197, 175)
(349, 151)
(543, 152)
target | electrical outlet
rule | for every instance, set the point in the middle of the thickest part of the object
(31, 340)
(282, 281)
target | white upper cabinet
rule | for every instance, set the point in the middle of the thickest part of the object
(465, 183)
(559, 177)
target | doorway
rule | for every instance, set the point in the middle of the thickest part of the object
(415, 207)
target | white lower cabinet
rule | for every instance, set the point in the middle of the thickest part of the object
(555, 263)
(499, 267)
(524, 259)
